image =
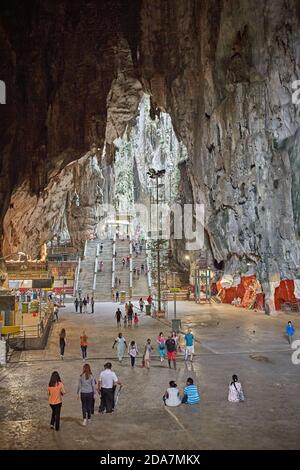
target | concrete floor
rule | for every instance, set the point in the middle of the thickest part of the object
(229, 340)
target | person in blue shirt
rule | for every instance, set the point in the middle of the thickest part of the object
(290, 331)
(190, 393)
(189, 345)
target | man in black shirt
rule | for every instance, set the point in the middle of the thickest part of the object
(118, 316)
(171, 351)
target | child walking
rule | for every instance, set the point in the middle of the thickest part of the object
(133, 352)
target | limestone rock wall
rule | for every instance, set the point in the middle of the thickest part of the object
(224, 71)
(33, 219)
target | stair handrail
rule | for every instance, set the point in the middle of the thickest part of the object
(77, 274)
(130, 265)
(149, 280)
(96, 267)
(85, 247)
(113, 262)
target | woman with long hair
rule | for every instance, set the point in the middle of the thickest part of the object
(161, 341)
(83, 344)
(87, 389)
(62, 342)
(55, 392)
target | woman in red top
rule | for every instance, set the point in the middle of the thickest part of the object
(55, 392)
(83, 344)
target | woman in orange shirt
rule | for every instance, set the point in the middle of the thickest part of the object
(55, 392)
(83, 344)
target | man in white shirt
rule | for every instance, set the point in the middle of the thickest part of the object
(107, 383)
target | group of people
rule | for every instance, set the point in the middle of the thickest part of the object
(167, 346)
(87, 390)
(82, 304)
(128, 316)
(83, 343)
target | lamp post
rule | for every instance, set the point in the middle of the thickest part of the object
(156, 174)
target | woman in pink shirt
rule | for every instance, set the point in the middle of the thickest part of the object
(55, 392)
(161, 341)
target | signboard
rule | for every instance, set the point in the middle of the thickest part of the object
(41, 283)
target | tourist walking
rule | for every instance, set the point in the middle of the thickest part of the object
(123, 262)
(130, 314)
(161, 341)
(80, 305)
(171, 351)
(190, 394)
(101, 248)
(136, 320)
(86, 391)
(84, 305)
(107, 383)
(142, 303)
(83, 344)
(118, 316)
(121, 346)
(172, 396)
(189, 345)
(290, 331)
(133, 352)
(55, 392)
(88, 299)
(76, 303)
(62, 342)
(147, 353)
(235, 392)
(117, 296)
(92, 305)
(55, 311)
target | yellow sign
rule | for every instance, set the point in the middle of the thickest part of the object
(7, 330)
(122, 296)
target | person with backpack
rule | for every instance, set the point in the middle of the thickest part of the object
(56, 391)
(235, 392)
(133, 352)
(86, 391)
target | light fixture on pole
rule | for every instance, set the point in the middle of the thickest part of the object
(156, 174)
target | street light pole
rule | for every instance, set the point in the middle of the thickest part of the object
(154, 174)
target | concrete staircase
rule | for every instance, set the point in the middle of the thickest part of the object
(104, 279)
(86, 275)
(140, 284)
(122, 250)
